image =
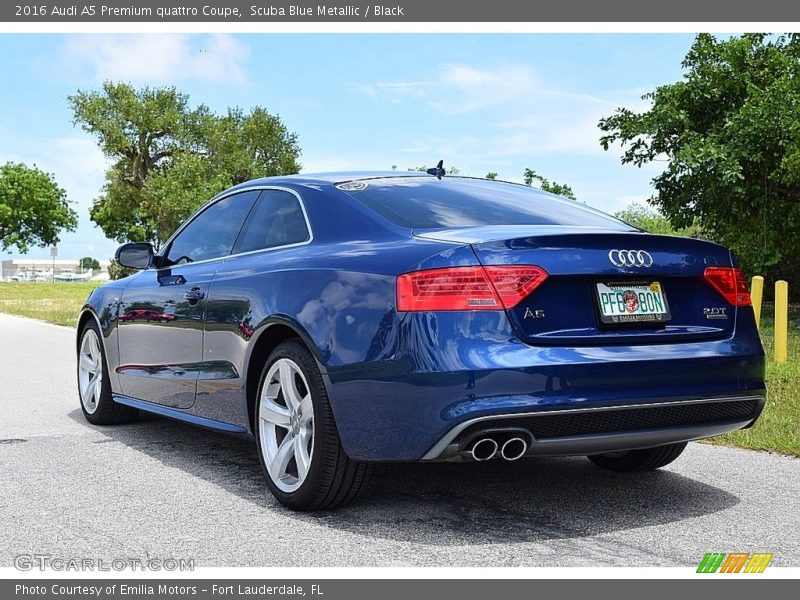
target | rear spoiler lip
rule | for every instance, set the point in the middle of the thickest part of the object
(497, 233)
(487, 234)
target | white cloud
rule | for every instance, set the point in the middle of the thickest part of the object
(552, 132)
(155, 58)
(460, 88)
(77, 157)
(468, 88)
(525, 114)
(617, 203)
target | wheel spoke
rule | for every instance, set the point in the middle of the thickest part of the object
(306, 409)
(273, 413)
(277, 467)
(301, 456)
(288, 386)
(88, 393)
(88, 363)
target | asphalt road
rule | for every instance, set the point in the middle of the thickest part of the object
(157, 488)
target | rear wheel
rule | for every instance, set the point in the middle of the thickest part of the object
(639, 460)
(298, 443)
(94, 387)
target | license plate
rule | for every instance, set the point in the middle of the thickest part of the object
(632, 302)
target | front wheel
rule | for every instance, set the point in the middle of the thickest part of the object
(298, 443)
(94, 387)
(648, 459)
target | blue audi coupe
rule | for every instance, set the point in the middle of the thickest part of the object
(343, 319)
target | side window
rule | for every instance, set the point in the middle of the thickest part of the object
(276, 220)
(211, 234)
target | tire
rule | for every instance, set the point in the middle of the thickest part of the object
(639, 460)
(98, 406)
(301, 424)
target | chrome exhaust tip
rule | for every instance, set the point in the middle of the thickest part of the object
(484, 449)
(514, 448)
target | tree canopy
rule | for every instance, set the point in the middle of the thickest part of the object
(169, 158)
(728, 134)
(33, 209)
(559, 189)
(88, 262)
(650, 220)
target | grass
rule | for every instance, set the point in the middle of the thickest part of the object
(778, 429)
(57, 302)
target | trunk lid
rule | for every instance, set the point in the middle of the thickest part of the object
(588, 266)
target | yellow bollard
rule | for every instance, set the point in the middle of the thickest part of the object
(781, 321)
(756, 295)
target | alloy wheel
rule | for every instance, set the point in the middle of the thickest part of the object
(286, 427)
(90, 371)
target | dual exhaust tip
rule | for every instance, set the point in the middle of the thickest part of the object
(487, 448)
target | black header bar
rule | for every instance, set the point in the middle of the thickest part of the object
(464, 11)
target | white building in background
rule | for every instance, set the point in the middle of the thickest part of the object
(34, 269)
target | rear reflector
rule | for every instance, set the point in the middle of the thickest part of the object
(467, 288)
(730, 283)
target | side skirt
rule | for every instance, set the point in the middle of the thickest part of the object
(179, 415)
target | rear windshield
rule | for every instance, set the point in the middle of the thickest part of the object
(428, 203)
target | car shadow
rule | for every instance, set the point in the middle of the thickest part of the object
(442, 503)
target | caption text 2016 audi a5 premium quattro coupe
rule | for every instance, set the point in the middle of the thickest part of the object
(344, 319)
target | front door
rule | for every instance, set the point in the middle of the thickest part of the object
(162, 310)
(161, 333)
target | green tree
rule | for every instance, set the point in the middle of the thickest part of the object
(87, 262)
(559, 189)
(244, 146)
(728, 134)
(169, 158)
(33, 209)
(646, 218)
(117, 271)
(173, 194)
(491, 175)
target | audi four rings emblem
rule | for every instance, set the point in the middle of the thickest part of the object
(630, 258)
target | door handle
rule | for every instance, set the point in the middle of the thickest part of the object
(194, 295)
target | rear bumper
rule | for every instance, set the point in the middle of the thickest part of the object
(447, 369)
(638, 426)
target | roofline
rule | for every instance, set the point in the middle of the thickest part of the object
(337, 177)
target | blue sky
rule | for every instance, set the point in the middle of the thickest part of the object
(481, 102)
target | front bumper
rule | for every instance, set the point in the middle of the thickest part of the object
(610, 429)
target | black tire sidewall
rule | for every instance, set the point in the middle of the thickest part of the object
(634, 461)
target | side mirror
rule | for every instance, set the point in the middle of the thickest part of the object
(136, 255)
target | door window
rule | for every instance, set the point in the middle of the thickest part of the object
(212, 233)
(277, 220)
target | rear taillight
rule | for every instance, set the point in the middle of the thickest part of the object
(730, 283)
(467, 288)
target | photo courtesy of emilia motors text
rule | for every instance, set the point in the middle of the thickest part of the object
(401, 300)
